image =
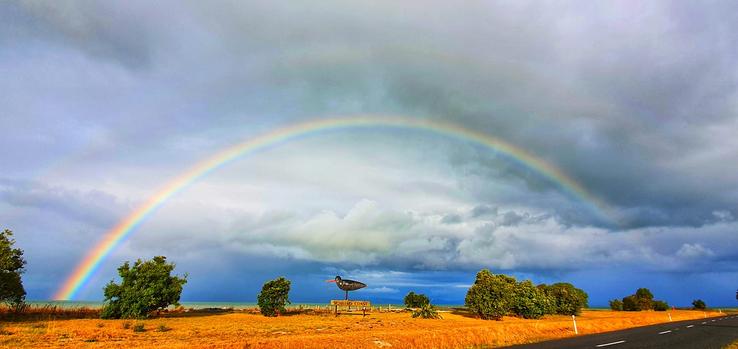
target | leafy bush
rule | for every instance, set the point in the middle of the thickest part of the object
(163, 328)
(274, 296)
(660, 306)
(616, 304)
(644, 298)
(147, 286)
(699, 304)
(630, 303)
(426, 311)
(11, 268)
(491, 296)
(416, 300)
(531, 302)
(568, 300)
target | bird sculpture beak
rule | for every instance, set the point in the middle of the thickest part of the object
(331, 280)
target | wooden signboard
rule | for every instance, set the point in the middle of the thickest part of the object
(351, 304)
(363, 305)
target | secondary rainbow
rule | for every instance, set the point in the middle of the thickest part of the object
(126, 226)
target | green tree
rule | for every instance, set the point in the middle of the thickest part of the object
(644, 297)
(146, 286)
(274, 296)
(699, 304)
(630, 303)
(491, 296)
(616, 304)
(11, 268)
(660, 305)
(416, 300)
(568, 299)
(531, 302)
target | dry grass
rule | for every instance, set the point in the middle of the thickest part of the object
(317, 330)
(733, 345)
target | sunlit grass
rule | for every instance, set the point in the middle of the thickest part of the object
(318, 330)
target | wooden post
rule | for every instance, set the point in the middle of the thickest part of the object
(573, 318)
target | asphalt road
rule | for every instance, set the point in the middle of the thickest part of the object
(715, 332)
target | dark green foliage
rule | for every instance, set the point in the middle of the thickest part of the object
(531, 302)
(426, 311)
(11, 268)
(642, 300)
(616, 304)
(416, 300)
(644, 297)
(491, 296)
(630, 303)
(568, 300)
(274, 296)
(146, 287)
(699, 304)
(660, 305)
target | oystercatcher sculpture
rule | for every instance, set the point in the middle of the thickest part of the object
(347, 285)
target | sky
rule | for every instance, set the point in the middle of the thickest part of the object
(104, 103)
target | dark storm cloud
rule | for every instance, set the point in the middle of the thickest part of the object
(635, 101)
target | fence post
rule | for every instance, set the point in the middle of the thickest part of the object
(573, 318)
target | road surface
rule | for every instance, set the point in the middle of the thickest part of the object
(716, 332)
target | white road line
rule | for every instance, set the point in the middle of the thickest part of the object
(704, 323)
(690, 326)
(665, 332)
(611, 343)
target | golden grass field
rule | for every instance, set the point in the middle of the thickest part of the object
(243, 329)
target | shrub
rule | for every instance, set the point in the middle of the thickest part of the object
(416, 300)
(616, 304)
(274, 296)
(426, 311)
(644, 298)
(660, 306)
(568, 300)
(699, 304)
(630, 303)
(139, 327)
(531, 302)
(491, 295)
(147, 286)
(163, 328)
(126, 325)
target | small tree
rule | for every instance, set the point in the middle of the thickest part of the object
(699, 304)
(568, 299)
(491, 296)
(147, 286)
(274, 296)
(11, 268)
(644, 297)
(531, 302)
(616, 304)
(660, 305)
(630, 303)
(416, 300)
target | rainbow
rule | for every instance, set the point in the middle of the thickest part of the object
(126, 226)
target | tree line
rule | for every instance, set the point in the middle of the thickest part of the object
(148, 286)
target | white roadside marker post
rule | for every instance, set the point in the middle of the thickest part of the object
(573, 318)
(669, 316)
